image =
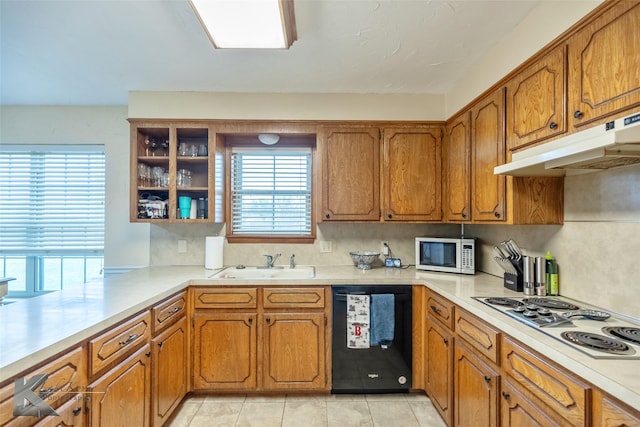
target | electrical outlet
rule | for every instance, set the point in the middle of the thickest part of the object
(182, 246)
(326, 246)
(384, 247)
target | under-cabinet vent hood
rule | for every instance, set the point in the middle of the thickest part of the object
(613, 144)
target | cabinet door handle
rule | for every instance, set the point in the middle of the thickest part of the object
(506, 395)
(446, 341)
(250, 320)
(436, 310)
(76, 411)
(148, 354)
(487, 379)
(327, 216)
(496, 214)
(160, 344)
(389, 216)
(578, 114)
(268, 319)
(553, 126)
(128, 340)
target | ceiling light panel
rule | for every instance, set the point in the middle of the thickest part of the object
(242, 24)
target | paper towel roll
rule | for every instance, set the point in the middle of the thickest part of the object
(213, 252)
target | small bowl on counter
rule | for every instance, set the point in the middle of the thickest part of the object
(364, 259)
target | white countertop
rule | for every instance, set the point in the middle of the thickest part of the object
(38, 328)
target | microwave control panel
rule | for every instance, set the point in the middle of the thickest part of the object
(467, 257)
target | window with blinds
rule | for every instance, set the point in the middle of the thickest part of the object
(52, 200)
(271, 192)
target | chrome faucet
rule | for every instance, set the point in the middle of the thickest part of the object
(292, 261)
(272, 259)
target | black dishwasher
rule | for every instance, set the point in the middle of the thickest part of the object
(374, 367)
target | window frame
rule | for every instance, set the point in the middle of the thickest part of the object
(251, 142)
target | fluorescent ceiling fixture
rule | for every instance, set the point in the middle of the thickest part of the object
(237, 24)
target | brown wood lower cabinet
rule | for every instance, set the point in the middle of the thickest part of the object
(169, 353)
(439, 371)
(557, 390)
(71, 414)
(517, 410)
(121, 397)
(475, 389)
(294, 351)
(225, 351)
(609, 412)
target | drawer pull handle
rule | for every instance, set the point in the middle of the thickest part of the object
(132, 337)
(436, 310)
(148, 354)
(506, 395)
(44, 392)
(176, 309)
(77, 411)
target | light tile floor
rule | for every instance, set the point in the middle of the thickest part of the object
(344, 410)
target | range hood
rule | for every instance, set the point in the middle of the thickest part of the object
(613, 144)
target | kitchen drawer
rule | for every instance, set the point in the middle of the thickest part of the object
(166, 312)
(118, 342)
(478, 334)
(609, 412)
(64, 374)
(441, 309)
(559, 390)
(226, 297)
(71, 414)
(293, 298)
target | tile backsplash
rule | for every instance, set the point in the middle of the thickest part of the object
(596, 249)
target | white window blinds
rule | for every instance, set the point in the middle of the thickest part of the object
(271, 191)
(52, 199)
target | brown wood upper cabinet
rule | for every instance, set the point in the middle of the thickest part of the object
(535, 101)
(411, 174)
(488, 191)
(604, 59)
(457, 169)
(350, 173)
(159, 151)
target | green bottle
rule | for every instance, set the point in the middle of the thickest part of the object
(552, 275)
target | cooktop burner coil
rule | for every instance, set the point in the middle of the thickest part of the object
(597, 342)
(626, 333)
(551, 303)
(507, 302)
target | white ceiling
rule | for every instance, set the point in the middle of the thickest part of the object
(92, 52)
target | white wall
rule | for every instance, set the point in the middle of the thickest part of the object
(126, 245)
(545, 22)
(280, 106)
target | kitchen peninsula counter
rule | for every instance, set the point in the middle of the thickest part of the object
(36, 329)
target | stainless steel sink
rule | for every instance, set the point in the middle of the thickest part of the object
(262, 273)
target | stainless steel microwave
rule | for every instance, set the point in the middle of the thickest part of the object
(446, 255)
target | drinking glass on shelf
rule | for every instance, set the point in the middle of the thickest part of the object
(202, 149)
(143, 175)
(183, 149)
(193, 150)
(184, 178)
(157, 173)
